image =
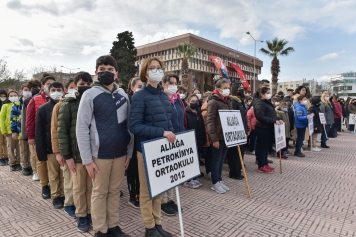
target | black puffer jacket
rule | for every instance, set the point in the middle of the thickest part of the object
(43, 130)
(265, 114)
(195, 121)
(239, 104)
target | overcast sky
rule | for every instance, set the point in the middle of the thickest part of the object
(75, 33)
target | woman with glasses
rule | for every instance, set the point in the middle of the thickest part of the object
(149, 101)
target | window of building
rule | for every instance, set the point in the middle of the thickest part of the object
(296, 85)
(280, 86)
(291, 85)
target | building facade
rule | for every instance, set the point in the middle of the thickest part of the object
(202, 69)
(344, 84)
(313, 86)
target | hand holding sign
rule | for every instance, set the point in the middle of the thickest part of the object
(170, 136)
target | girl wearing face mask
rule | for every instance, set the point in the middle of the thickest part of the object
(282, 112)
(265, 119)
(13, 150)
(301, 123)
(150, 118)
(327, 108)
(198, 93)
(219, 101)
(195, 121)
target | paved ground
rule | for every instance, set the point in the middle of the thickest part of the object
(315, 196)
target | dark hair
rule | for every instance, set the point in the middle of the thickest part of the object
(46, 77)
(55, 84)
(34, 83)
(24, 85)
(264, 81)
(301, 97)
(70, 81)
(290, 90)
(300, 88)
(280, 93)
(192, 95)
(277, 99)
(248, 98)
(248, 92)
(262, 91)
(85, 76)
(234, 88)
(182, 88)
(132, 82)
(106, 60)
(283, 103)
(168, 76)
(220, 82)
(196, 89)
(145, 65)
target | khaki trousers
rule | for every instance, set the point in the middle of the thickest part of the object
(55, 175)
(24, 154)
(167, 196)
(3, 146)
(82, 190)
(150, 209)
(42, 170)
(33, 155)
(13, 151)
(67, 185)
(314, 136)
(106, 193)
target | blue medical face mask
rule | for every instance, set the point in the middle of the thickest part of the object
(285, 109)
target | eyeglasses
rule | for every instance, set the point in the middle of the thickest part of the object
(156, 69)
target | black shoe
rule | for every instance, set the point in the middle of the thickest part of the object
(116, 232)
(99, 234)
(174, 206)
(290, 147)
(299, 154)
(89, 220)
(134, 203)
(270, 161)
(168, 210)
(152, 233)
(2, 162)
(46, 192)
(201, 163)
(18, 167)
(70, 211)
(57, 203)
(26, 172)
(323, 145)
(6, 160)
(238, 177)
(163, 232)
(13, 168)
(121, 193)
(82, 224)
(201, 174)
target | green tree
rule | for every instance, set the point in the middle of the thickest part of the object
(185, 51)
(275, 48)
(124, 51)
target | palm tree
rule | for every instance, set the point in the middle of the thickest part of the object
(274, 49)
(185, 51)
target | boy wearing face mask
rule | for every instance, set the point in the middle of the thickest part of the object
(44, 144)
(105, 144)
(13, 150)
(4, 160)
(31, 113)
(77, 182)
(17, 133)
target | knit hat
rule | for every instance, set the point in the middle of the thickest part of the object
(3, 92)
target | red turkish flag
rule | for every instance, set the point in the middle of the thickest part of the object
(241, 75)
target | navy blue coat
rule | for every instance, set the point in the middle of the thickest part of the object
(178, 114)
(151, 114)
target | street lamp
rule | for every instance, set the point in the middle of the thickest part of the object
(254, 60)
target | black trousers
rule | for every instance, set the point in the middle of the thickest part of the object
(133, 182)
(263, 143)
(234, 160)
(252, 140)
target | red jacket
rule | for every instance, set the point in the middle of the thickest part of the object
(31, 113)
(338, 110)
(251, 120)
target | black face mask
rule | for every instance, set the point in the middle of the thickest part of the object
(317, 105)
(193, 105)
(81, 89)
(106, 78)
(35, 92)
(241, 93)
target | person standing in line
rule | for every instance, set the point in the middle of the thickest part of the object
(237, 103)
(13, 149)
(282, 112)
(4, 160)
(208, 145)
(82, 184)
(265, 119)
(31, 114)
(251, 122)
(219, 101)
(338, 114)
(105, 145)
(327, 109)
(352, 110)
(149, 101)
(315, 109)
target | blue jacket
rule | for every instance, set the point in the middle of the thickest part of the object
(178, 114)
(151, 114)
(300, 115)
(16, 118)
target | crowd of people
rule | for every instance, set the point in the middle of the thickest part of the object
(80, 139)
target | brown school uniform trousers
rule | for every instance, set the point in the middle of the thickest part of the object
(3, 146)
(13, 151)
(55, 175)
(82, 190)
(24, 154)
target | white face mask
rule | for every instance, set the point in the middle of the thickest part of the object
(276, 103)
(226, 92)
(137, 89)
(2, 99)
(56, 95)
(327, 97)
(46, 89)
(72, 91)
(199, 96)
(26, 94)
(305, 102)
(155, 76)
(268, 96)
(182, 96)
(14, 99)
(172, 89)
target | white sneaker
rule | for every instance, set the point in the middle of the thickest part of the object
(224, 186)
(318, 141)
(316, 149)
(208, 176)
(191, 184)
(253, 153)
(197, 182)
(217, 188)
(35, 177)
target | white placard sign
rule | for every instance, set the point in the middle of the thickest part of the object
(233, 127)
(322, 118)
(311, 125)
(170, 164)
(352, 119)
(280, 136)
